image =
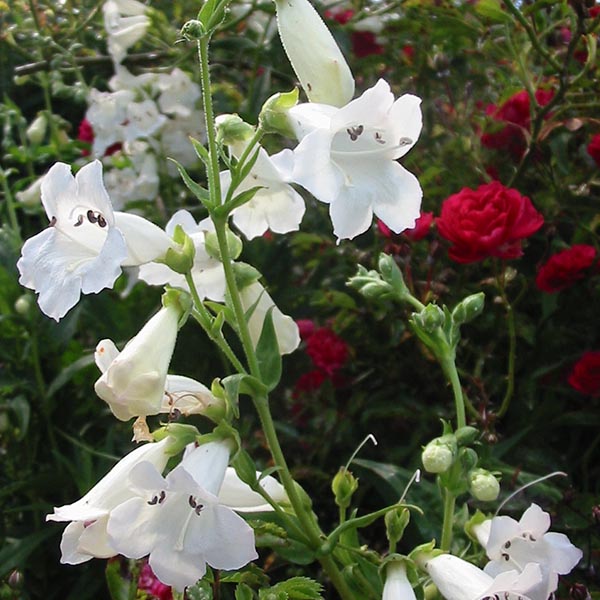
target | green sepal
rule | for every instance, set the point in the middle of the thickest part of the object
(245, 274)
(245, 468)
(224, 431)
(180, 259)
(196, 189)
(393, 276)
(477, 519)
(267, 353)
(179, 299)
(180, 434)
(234, 243)
(273, 117)
(243, 197)
(212, 14)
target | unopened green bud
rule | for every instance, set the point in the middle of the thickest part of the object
(177, 298)
(439, 454)
(392, 274)
(469, 308)
(344, 485)
(468, 459)
(233, 130)
(211, 243)
(369, 283)
(273, 117)
(23, 304)
(193, 30)
(181, 258)
(37, 130)
(466, 435)
(430, 318)
(483, 485)
(245, 468)
(395, 524)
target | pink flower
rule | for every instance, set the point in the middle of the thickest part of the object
(147, 582)
(327, 351)
(564, 268)
(418, 232)
(585, 376)
(489, 221)
(594, 149)
(306, 328)
(516, 113)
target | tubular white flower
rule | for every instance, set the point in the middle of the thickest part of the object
(106, 113)
(126, 23)
(240, 497)
(315, 57)
(511, 544)
(347, 158)
(286, 329)
(457, 579)
(134, 382)
(178, 93)
(277, 206)
(397, 586)
(85, 537)
(86, 244)
(179, 521)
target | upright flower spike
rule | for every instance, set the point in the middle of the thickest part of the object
(315, 57)
(85, 537)
(347, 158)
(179, 522)
(134, 383)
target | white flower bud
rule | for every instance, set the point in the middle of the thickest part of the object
(483, 485)
(315, 57)
(438, 456)
(37, 130)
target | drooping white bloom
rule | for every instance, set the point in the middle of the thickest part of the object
(511, 544)
(32, 194)
(286, 329)
(179, 522)
(240, 497)
(86, 244)
(277, 206)
(128, 183)
(315, 57)
(106, 114)
(133, 384)
(178, 93)
(397, 586)
(207, 272)
(85, 537)
(457, 579)
(347, 158)
(182, 394)
(125, 22)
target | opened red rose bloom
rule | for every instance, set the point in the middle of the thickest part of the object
(565, 268)
(489, 221)
(328, 351)
(585, 376)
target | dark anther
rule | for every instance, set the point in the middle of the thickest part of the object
(101, 221)
(404, 141)
(163, 495)
(79, 221)
(153, 501)
(198, 509)
(531, 538)
(505, 556)
(192, 501)
(378, 138)
(52, 221)
(507, 545)
(354, 132)
(91, 217)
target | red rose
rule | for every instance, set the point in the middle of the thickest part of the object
(489, 221)
(364, 43)
(309, 382)
(585, 376)
(306, 328)
(594, 149)
(565, 268)
(516, 113)
(327, 351)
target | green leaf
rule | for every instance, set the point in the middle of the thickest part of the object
(200, 591)
(14, 553)
(196, 189)
(118, 586)
(243, 592)
(68, 373)
(22, 411)
(243, 197)
(201, 151)
(267, 353)
(492, 9)
(296, 588)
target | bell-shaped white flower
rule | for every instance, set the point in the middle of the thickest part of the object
(207, 272)
(242, 498)
(85, 537)
(511, 544)
(86, 244)
(457, 579)
(133, 384)
(179, 93)
(32, 194)
(142, 120)
(277, 206)
(286, 330)
(397, 586)
(126, 23)
(106, 114)
(315, 57)
(347, 158)
(179, 522)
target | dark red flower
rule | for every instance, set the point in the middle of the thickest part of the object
(564, 268)
(585, 376)
(418, 232)
(594, 149)
(306, 328)
(364, 43)
(147, 582)
(516, 113)
(328, 351)
(85, 134)
(489, 221)
(309, 382)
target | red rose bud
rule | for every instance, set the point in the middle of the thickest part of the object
(585, 376)
(563, 269)
(489, 221)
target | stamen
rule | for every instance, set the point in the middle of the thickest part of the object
(378, 138)
(404, 141)
(507, 545)
(153, 501)
(101, 220)
(198, 509)
(79, 221)
(192, 502)
(163, 495)
(354, 132)
(505, 556)
(52, 221)
(91, 217)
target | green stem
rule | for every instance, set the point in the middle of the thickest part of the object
(449, 502)
(449, 368)
(512, 348)
(10, 205)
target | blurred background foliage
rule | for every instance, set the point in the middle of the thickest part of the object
(57, 438)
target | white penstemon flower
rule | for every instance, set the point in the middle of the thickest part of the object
(125, 22)
(397, 586)
(106, 113)
(347, 158)
(277, 206)
(86, 244)
(85, 537)
(511, 544)
(178, 93)
(179, 522)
